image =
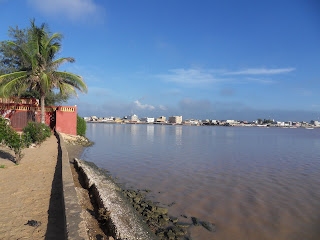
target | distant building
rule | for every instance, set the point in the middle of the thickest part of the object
(214, 122)
(108, 119)
(175, 119)
(118, 120)
(192, 122)
(147, 120)
(161, 119)
(93, 118)
(315, 123)
(133, 118)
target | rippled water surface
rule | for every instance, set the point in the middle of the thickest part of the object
(253, 183)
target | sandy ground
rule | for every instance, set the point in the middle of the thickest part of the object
(31, 191)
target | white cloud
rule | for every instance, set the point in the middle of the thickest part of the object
(139, 105)
(197, 76)
(261, 71)
(163, 108)
(72, 9)
(259, 80)
(188, 76)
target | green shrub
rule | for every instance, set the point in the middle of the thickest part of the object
(81, 126)
(15, 142)
(12, 139)
(36, 132)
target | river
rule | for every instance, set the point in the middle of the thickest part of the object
(253, 183)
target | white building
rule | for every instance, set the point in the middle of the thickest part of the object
(133, 118)
(147, 120)
(175, 119)
(108, 119)
(93, 118)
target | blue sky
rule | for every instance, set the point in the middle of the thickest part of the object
(200, 59)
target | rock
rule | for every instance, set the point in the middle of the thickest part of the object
(165, 217)
(160, 234)
(182, 225)
(162, 210)
(195, 221)
(209, 226)
(33, 223)
(170, 235)
(174, 219)
(184, 216)
(162, 222)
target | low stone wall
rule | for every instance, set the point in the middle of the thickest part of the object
(121, 219)
(74, 222)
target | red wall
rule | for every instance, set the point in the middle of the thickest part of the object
(20, 111)
(66, 120)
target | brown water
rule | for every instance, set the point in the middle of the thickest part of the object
(253, 183)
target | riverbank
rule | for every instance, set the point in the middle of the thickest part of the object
(88, 209)
(31, 193)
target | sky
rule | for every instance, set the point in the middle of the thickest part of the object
(204, 59)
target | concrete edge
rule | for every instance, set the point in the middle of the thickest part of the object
(123, 221)
(75, 226)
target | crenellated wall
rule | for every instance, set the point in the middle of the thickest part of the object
(20, 111)
(66, 120)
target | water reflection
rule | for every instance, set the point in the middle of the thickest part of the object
(253, 183)
(150, 133)
(178, 133)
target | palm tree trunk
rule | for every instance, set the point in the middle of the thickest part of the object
(43, 114)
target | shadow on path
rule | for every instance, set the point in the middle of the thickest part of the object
(7, 156)
(56, 221)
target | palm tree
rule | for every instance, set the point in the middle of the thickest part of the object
(40, 71)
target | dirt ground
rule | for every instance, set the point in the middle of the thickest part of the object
(31, 191)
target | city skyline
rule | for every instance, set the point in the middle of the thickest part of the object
(208, 59)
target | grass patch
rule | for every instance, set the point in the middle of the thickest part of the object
(2, 166)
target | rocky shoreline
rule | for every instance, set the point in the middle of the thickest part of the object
(163, 225)
(157, 218)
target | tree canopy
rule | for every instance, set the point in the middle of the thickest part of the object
(29, 65)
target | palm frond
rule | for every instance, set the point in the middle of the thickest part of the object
(12, 75)
(13, 86)
(56, 37)
(73, 80)
(67, 89)
(61, 61)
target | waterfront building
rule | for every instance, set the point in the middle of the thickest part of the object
(214, 122)
(147, 120)
(192, 122)
(161, 119)
(133, 118)
(108, 119)
(315, 123)
(175, 119)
